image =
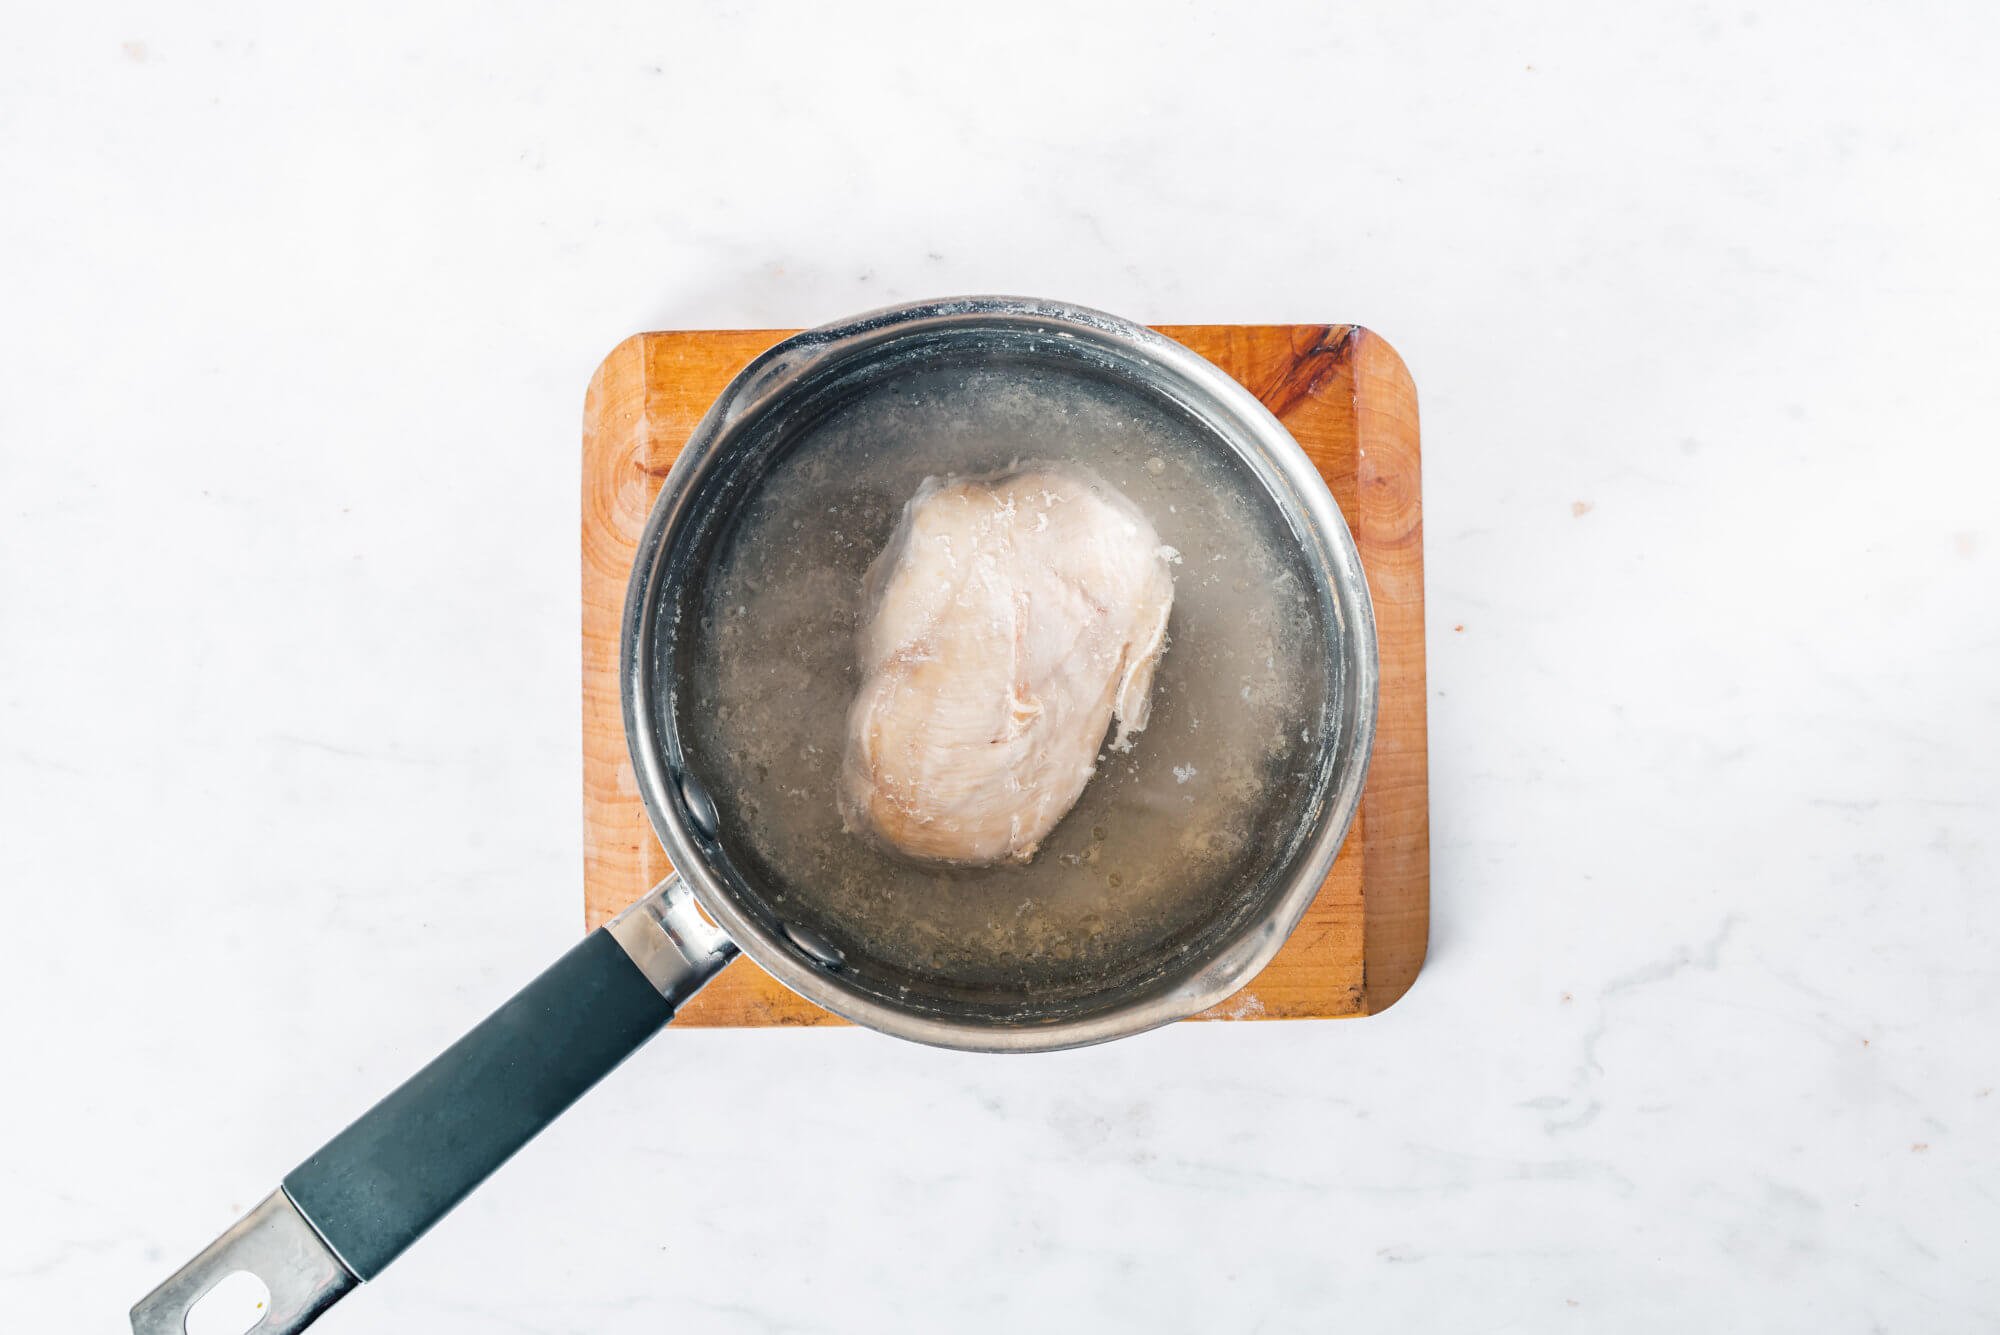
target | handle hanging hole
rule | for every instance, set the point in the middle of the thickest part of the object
(238, 1303)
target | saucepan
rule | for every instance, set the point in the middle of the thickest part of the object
(735, 661)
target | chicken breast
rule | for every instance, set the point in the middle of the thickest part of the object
(1009, 619)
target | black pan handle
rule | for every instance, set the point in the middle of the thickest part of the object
(345, 1213)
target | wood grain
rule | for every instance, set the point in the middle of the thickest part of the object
(1348, 400)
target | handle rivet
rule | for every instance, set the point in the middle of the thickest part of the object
(700, 806)
(822, 951)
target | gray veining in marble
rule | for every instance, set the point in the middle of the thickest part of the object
(1700, 303)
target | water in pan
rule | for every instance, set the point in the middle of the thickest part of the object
(1162, 836)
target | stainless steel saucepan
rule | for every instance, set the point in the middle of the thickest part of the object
(354, 1205)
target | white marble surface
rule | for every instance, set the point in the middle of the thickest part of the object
(1700, 301)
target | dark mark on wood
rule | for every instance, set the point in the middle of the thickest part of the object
(1311, 369)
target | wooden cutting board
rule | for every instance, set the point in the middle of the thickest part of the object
(1346, 397)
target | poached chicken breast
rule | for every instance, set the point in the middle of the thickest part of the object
(1009, 619)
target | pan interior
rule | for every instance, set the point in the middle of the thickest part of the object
(1172, 846)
